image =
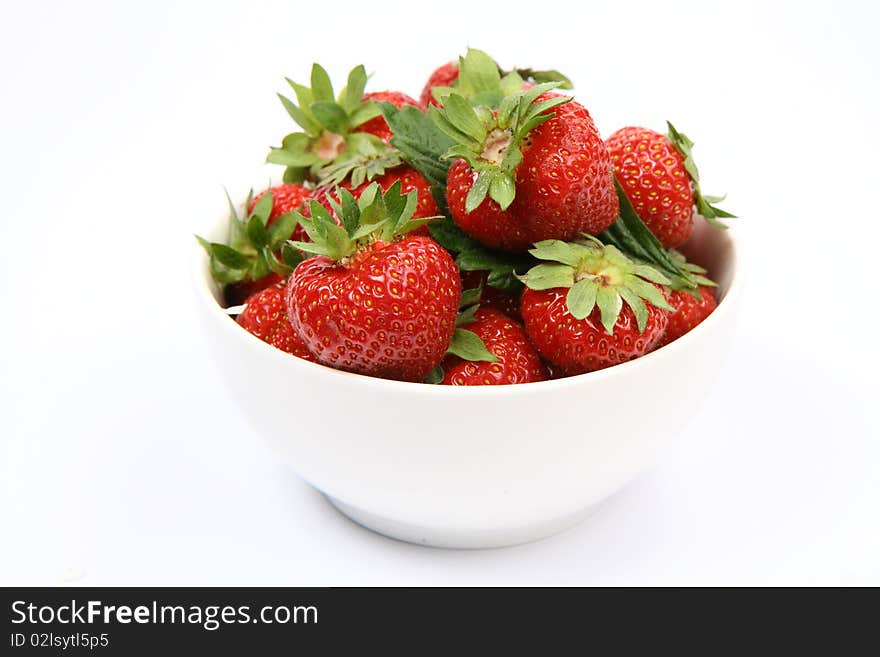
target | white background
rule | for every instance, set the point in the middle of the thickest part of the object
(125, 462)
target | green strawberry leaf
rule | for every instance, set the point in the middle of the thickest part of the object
(257, 233)
(610, 304)
(470, 297)
(466, 316)
(477, 193)
(478, 73)
(503, 189)
(421, 144)
(291, 256)
(503, 268)
(263, 208)
(452, 238)
(281, 230)
(467, 345)
(435, 376)
(581, 298)
(229, 257)
(354, 89)
(704, 203)
(322, 88)
(331, 116)
(633, 238)
(545, 76)
(547, 276)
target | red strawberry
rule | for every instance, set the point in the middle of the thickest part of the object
(517, 360)
(688, 311)
(265, 315)
(659, 177)
(382, 303)
(444, 76)
(588, 309)
(285, 198)
(377, 125)
(584, 345)
(339, 137)
(533, 176)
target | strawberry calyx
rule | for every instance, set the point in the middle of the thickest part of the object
(704, 203)
(490, 140)
(329, 136)
(597, 275)
(482, 81)
(374, 216)
(253, 247)
(366, 158)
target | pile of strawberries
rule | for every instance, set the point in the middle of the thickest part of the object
(484, 234)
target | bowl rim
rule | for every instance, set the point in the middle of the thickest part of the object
(202, 281)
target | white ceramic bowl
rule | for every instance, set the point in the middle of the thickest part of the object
(473, 467)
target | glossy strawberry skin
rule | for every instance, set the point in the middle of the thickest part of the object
(518, 362)
(265, 316)
(578, 346)
(377, 125)
(652, 174)
(444, 76)
(388, 311)
(689, 311)
(564, 186)
(285, 198)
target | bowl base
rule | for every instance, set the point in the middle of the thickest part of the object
(460, 538)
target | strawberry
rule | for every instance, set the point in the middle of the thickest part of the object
(691, 305)
(516, 359)
(524, 174)
(377, 126)
(336, 138)
(586, 309)
(265, 315)
(659, 177)
(374, 299)
(285, 199)
(689, 310)
(444, 76)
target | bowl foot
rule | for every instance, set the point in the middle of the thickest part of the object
(448, 537)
